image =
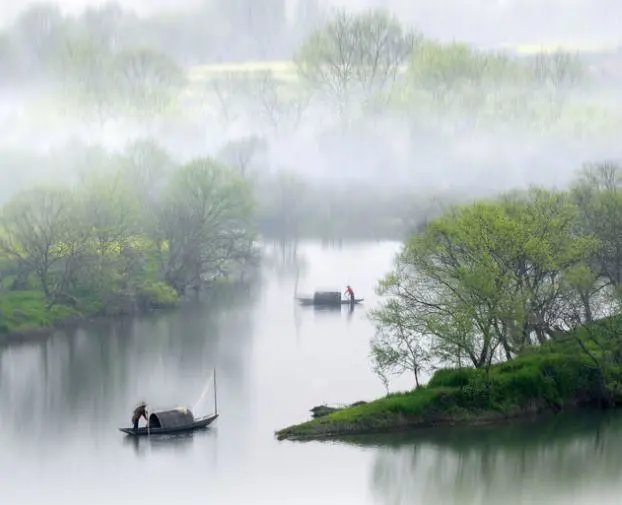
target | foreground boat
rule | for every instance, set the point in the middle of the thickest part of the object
(177, 420)
(165, 422)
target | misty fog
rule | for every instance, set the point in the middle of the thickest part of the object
(54, 101)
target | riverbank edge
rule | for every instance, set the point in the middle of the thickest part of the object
(34, 333)
(554, 377)
(73, 318)
(399, 423)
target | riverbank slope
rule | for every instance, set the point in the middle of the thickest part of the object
(556, 376)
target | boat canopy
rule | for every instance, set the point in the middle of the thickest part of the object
(327, 297)
(174, 418)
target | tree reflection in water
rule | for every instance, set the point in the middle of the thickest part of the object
(552, 462)
(176, 444)
(87, 381)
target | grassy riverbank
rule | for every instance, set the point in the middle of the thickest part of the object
(557, 376)
(25, 314)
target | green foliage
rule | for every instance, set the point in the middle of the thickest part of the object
(598, 196)
(487, 279)
(156, 295)
(112, 64)
(551, 378)
(455, 377)
(438, 67)
(205, 221)
(131, 235)
(28, 310)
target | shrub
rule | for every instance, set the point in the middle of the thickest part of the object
(454, 377)
(155, 295)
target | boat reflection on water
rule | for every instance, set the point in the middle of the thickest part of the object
(178, 442)
(329, 310)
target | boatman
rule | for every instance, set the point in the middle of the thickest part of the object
(350, 293)
(140, 411)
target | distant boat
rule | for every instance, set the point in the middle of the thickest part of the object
(177, 420)
(327, 299)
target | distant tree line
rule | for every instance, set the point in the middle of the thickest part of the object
(288, 206)
(36, 44)
(108, 58)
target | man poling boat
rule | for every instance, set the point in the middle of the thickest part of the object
(172, 420)
(140, 411)
(350, 293)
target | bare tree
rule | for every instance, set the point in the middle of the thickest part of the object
(354, 54)
(268, 94)
(90, 78)
(240, 153)
(150, 81)
(398, 346)
(40, 31)
(559, 69)
(230, 92)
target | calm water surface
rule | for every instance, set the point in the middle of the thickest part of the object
(62, 401)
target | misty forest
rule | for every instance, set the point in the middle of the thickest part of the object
(148, 156)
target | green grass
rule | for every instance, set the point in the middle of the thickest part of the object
(27, 311)
(22, 311)
(547, 379)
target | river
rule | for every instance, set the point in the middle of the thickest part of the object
(62, 400)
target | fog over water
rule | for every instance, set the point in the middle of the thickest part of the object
(341, 167)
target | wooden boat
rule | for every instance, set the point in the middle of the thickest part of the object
(311, 301)
(165, 422)
(177, 420)
(327, 299)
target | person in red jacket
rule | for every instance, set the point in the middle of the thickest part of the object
(350, 293)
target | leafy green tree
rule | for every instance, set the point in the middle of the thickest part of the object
(111, 210)
(34, 229)
(205, 219)
(441, 69)
(485, 280)
(598, 196)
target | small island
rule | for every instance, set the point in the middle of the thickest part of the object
(513, 303)
(560, 375)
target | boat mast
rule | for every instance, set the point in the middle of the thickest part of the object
(215, 395)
